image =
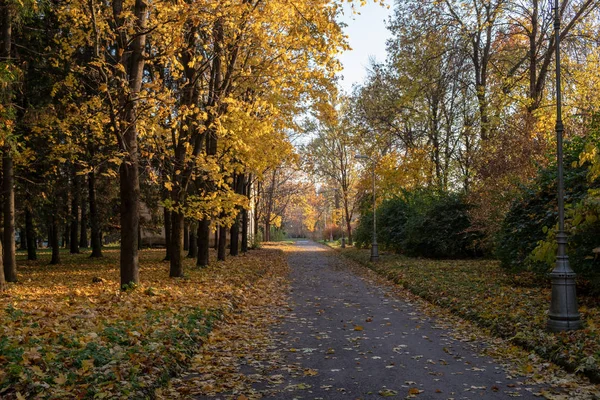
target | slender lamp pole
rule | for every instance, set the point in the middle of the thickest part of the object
(374, 246)
(563, 315)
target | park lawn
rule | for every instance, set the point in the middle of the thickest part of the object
(509, 306)
(65, 336)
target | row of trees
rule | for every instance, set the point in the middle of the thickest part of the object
(184, 104)
(464, 102)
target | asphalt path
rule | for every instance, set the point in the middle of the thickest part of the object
(349, 338)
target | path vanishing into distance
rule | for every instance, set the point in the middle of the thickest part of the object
(366, 342)
(347, 333)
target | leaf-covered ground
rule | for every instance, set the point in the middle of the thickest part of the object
(509, 306)
(68, 331)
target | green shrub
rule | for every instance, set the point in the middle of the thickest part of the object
(422, 223)
(526, 240)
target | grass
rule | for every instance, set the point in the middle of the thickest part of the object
(509, 306)
(68, 331)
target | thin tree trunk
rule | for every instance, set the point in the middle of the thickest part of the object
(74, 241)
(244, 230)
(22, 239)
(9, 246)
(168, 226)
(31, 241)
(83, 238)
(186, 236)
(54, 241)
(193, 253)
(177, 232)
(131, 51)
(203, 243)
(94, 218)
(2, 280)
(216, 244)
(234, 244)
(222, 243)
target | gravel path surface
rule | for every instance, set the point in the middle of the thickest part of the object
(352, 339)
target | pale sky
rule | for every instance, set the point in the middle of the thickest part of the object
(367, 35)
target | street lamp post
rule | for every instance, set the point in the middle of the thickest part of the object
(374, 246)
(563, 315)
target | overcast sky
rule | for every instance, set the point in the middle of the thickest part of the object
(367, 36)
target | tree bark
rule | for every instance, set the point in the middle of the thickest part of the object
(31, 239)
(216, 244)
(83, 238)
(177, 233)
(244, 230)
(54, 241)
(234, 244)
(131, 51)
(94, 218)
(203, 243)
(76, 189)
(168, 224)
(22, 239)
(193, 253)
(222, 243)
(8, 189)
(2, 279)
(186, 236)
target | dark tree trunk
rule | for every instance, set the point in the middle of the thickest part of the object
(216, 244)
(54, 241)
(130, 208)
(2, 280)
(193, 253)
(234, 244)
(31, 240)
(168, 226)
(186, 236)
(177, 233)
(131, 53)
(221, 250)
(244, 230)
(94, 218)
(83, 238)
(203, 242)
(76, 189)
(9, 246)
(23, 239)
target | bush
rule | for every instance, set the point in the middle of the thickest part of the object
(526, 240)
(423, 223)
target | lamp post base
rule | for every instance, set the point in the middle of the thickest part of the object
(374, 252)
(564, 314)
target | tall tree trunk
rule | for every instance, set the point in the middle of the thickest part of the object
(186, 236)
(31, 240)
(177, 233)
(2, 279)
(76, 189)
(168, 224)
(8, 188)
(244, 230)
(216, 244)
(131, 51)
(94, 218)
(22, 239)
(83, 238)
(234, 244)
(222, 243)
(54, 240)
(193, 253)
(203, 242)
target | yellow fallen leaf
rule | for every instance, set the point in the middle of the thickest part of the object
(358, 328)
